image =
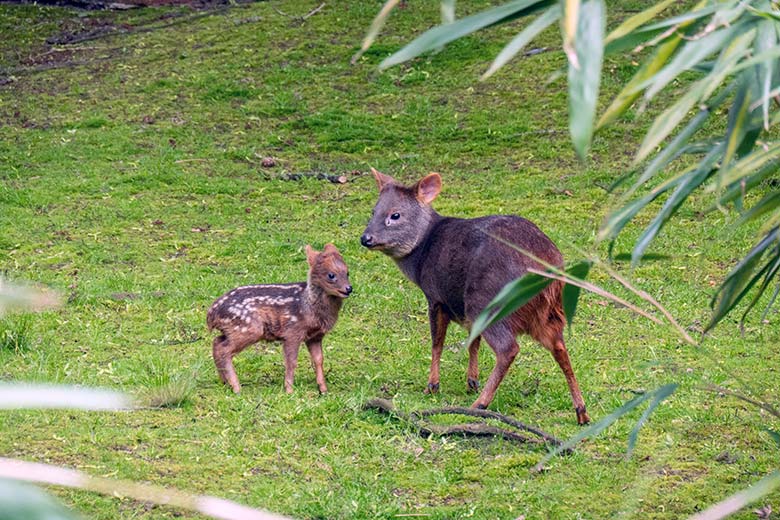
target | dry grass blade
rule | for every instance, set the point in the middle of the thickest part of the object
(596, 290)
(376, 26)
(556, 274)
(648, 298)
(59, 476)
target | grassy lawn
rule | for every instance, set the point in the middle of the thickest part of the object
(131, 180)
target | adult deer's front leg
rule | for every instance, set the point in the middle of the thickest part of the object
(439, 320)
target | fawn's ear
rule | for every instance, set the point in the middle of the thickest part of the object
(428, 188)
(330, 248)
(311, 255)
(382, 180)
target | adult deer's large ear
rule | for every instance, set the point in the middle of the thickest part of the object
(428, 188)
(311, 255)
(382, 180)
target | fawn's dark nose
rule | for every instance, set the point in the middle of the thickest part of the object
(367, 240)
(348, 289)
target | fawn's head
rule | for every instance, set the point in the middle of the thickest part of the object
(328, 271)
(401, 215)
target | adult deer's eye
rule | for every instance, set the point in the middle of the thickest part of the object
(331, 276)
(395, 216)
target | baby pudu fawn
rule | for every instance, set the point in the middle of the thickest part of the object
(292, 313)
(460, 267)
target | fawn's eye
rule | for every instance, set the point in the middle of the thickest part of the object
(395, 216)
(331, 276)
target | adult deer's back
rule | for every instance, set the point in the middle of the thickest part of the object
(460, 267)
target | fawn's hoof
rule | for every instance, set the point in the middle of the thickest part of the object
(433, 388)
(479, 406)
(323, 390)
(473, 384)
(582, 416)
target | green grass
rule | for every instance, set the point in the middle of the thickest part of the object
(132, 183)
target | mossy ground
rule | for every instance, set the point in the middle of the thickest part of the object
(131, 181)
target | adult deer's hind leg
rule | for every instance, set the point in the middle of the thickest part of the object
(504, 344)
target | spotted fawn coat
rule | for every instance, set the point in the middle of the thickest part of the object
(292, 313)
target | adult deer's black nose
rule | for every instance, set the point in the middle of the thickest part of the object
(367, 240)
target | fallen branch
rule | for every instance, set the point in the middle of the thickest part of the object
(335, 179)
(473, 429)
(489, 414)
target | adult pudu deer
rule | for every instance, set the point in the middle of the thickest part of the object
(293, 313)
(460, 267)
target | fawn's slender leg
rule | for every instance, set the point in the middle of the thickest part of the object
(315, 351)
(472, 375)
(222, 351)
(439, 320)
(290, 362)
(505, 346)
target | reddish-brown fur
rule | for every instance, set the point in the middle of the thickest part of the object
(292, 313)
(460, 267)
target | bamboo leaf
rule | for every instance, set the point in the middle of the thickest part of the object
(769, 271)
(617, 220)
(665, 123)
(15, 296)
(571, 293)
(772, 300)
(571, 21)
(522, 39)
(770, 202)
(766, 41)
(641, 35)
(737, 119)
(61, 476)
(511, 297)
(692, 181)
(659, 396)
(739, 280)
(739, 500)
(597, 428)
(376, 26)
(21, 501)
(15, 396)
(443, 34)
(631, 91)
(673, 150)
(639, 19)
(584, 78)
(447, 11)
(769, 15)
(747, 165)
(691, 54)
